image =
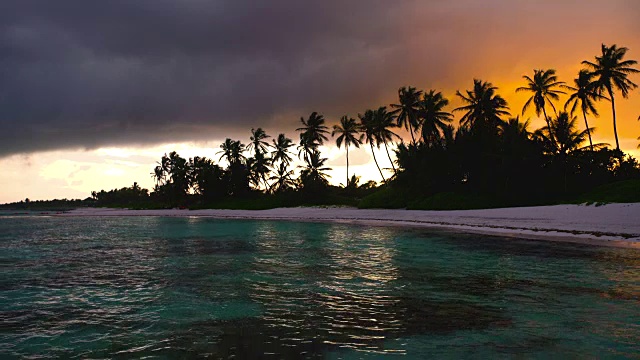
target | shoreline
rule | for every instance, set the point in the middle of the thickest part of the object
(612, 225)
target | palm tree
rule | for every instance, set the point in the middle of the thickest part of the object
(542, 86)
(407, 110)
(226, 147)
(433, 118)
(585, 94)
(368, 125)
(283, 179)
(259, 167)
(281, 152)
(562, 137)
(485, 108)
(313, 175)
(383, 122)
(312, 134)
(352, 182)
(158, 175)
(232, 150)
(257, 140)
(206, 178)
(611, 72)
(515, 137)
(348, 134)
(173, 171)
(515, 129)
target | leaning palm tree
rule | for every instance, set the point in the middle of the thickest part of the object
(384, 121)
(433, 119)
(406, 111)
(585, 94)
(542, 86)
(484, 108)
(368, 125)
(348, 132)
(312, 133)
(611, 73)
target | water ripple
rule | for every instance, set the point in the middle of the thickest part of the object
(181, 288)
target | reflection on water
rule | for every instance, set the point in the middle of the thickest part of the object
(192, 287)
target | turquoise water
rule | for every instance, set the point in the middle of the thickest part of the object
(135, 287)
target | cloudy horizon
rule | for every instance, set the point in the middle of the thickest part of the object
(79, 78)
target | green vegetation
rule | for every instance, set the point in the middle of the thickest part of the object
(618, 192)
(491, 159)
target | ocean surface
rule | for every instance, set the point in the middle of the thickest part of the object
(140, 287)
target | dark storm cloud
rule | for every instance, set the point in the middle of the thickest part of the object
(78, 73)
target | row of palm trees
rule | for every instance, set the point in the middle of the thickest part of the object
(423, 115)
(609, 72)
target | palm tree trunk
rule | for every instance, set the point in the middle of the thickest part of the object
(413, 140)
(553, 138)
(389, 156)
(374, 159)
(347, 183)
(584, 114)
(613, 108)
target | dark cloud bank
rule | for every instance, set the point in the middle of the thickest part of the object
(82, 74)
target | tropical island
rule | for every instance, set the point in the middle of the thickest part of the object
(491, 159)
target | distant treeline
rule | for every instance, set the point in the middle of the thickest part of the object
(48, 205)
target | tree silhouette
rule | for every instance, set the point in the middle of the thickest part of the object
(207, 178)
(433, 119)
(384, 122)
(238, 174)
(313, 176)
(368, 124)
(484, 107)
(258, 142)
(232, 151)
(406, 111)
(348, 133)
(173, 178)
(312, 134)
(281, 153)
(611, 72)
(515, 130)
(259, 166)
(542, 86)
(283, 179)
(562, 137)
(584, 93)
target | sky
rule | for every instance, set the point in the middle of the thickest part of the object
(92, 93)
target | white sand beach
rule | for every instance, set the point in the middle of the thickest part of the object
(610, 225)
